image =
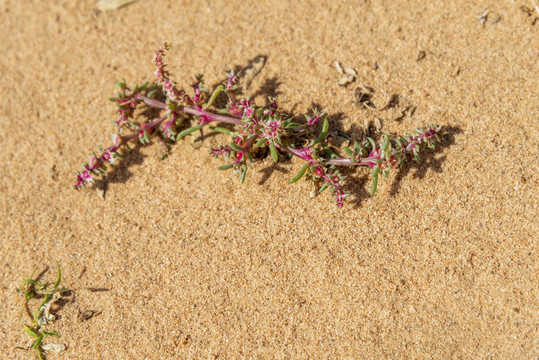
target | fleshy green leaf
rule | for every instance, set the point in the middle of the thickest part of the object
(214, 95)
(221, 130)
(187, 132)
(323, 134)
(292, 125)
(243, 173)
(374, 184)
(375, 173)
(324, 187)
(373, 144)
(300, 174)
(274, 153)
(225, 167)
(236, 147)
(260, 142)
(386, 142)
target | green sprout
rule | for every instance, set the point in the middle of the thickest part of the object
(30, 288)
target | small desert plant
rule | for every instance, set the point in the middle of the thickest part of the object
(30, 289)
(254, 131)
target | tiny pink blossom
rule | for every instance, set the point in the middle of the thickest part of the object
(86, 176)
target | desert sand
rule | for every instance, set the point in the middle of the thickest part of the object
(178, 260)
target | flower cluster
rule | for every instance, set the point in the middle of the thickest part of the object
(96, 165)
(256, 130)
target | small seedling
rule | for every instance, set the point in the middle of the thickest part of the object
(252, 130)
(30, 289)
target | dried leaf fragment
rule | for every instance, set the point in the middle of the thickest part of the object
(57, 348)
(88, 314)
(350, 74)
(112, 4)
(377, 124)
(338, 67)
(44, 316)
(346, 79)
(483, 17)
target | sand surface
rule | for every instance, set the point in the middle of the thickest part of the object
(180, 261)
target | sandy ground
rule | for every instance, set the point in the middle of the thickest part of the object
(181, 261)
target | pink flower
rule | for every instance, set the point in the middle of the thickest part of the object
(273, 129)
(248, 110)
(231, 82)
(108, 156)
(86, 176)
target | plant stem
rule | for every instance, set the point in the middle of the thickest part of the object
(189, 110)
(212, 116)
(151, 102)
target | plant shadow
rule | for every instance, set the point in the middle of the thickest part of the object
(428, 160)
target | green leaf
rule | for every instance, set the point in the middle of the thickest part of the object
(221, 130)
(300, 174)
(236, 147)
(374, 184)
(375, 173)
(30, 281)
(260, 142)
(349, 152)
(386, 142)
(243, 173)
(151, 91)
(225, 167)
(323, 134)
(37, 342)
(59, 277)
(29, 331)
(373, 144)
(324, 187)
(274, 153)
(187, 132)
(329, 152)
(52, 333)
(292, 125)
(143, 86)
(214, 95)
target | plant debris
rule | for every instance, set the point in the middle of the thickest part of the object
(56, 348)
(483, 17)
(87, 315)
(363, 95)
(112, 4)
(377, 124)
(350, 74)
